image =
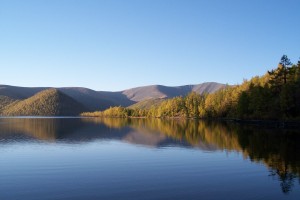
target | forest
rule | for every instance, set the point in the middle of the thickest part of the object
(273, 96)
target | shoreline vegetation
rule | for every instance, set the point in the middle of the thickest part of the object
(290, 123)
(272, 98)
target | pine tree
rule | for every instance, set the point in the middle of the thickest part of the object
(279, 76)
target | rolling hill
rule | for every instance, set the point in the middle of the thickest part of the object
(162, 92)
(49, 102)
(21, 100)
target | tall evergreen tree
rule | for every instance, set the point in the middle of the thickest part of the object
(279, 76)
(285, 63)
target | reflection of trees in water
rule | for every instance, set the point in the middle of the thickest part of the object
(284, 173)
(48, 129)
(109, 122)
(44, 129)
(277, 149)
(193, 132)
(285, 177)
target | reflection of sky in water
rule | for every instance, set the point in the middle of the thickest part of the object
(84, 159)
(103, 167)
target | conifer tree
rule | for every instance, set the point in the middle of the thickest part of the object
(279, 76)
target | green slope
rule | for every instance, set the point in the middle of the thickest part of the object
(50, 102)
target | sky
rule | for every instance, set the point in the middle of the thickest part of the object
(119, 44)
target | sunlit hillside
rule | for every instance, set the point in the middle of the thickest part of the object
(46, 103)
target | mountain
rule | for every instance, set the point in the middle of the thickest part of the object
(15, 92)
(146, 104)
(49, 102)
(162, 92)
(93, 100)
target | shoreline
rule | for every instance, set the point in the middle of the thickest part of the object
(266, 123)
(263, 123)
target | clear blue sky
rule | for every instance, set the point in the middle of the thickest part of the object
(115, 45)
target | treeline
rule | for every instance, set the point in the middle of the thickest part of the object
(118, 112)
(275, 95)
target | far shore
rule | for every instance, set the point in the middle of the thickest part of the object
(289, 123)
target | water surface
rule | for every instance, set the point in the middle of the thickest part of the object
(84, 158)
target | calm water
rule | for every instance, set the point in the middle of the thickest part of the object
(145, 159)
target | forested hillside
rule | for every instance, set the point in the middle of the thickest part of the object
(275, 95)
(49, 102)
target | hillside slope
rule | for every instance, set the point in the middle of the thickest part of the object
(91, 99)
(5, 101)
(50, 102)
(146, 104)
(100, 100)
(161, 92)
(16, 92)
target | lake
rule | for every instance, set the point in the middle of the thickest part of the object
(87, 158)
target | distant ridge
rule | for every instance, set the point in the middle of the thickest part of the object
(49, 102)
(161, 92)
(91, 100)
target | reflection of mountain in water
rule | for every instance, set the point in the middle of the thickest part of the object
(78, 130)
(277, 149)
